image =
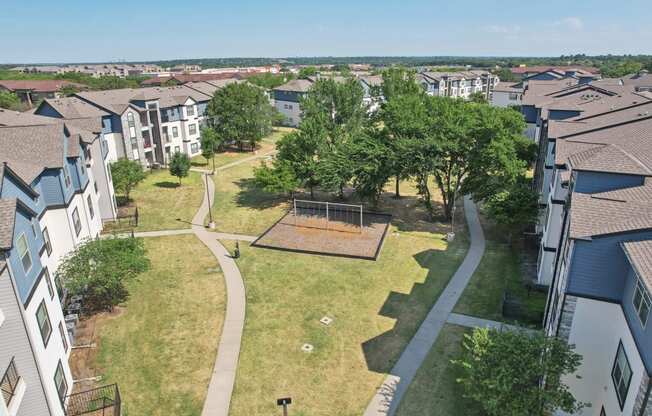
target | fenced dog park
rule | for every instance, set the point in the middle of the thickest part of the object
(329, 228)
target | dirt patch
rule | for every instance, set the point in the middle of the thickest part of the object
(336, 238)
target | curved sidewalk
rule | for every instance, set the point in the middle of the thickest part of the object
(218, 397)
(390, 393)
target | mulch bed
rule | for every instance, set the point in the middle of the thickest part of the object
(308, 235)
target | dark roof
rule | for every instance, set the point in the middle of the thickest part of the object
(295, 85)
(542, 68)
(41, 85)
(28, 150)
(184, 78)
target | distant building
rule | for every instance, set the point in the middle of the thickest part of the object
(180, 79)
(507, 94)
(287, 99)
(458, 84)
(528, 71)
(33, 91)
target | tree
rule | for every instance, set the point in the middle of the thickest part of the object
(474, 150)
(126, 175)
(210, 142)
(515, 207)
(99, 269)
(370, 159)
(10, 101)
(307, 71)
(268, 80)
(280, 178)
(69, 90)
(506, 75)
(478, 97)
(514, 373)
(402, 115)
(179, 165)
(241, 113)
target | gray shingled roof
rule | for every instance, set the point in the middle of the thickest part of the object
(28, 150)
(639, 254)
(296, 85)
(73, 107)
(16, 118)
(7, 220)
(603, 213)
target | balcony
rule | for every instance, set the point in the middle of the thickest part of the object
(101, 401)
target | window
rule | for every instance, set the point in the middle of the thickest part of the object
(89, 202)
(76, 221)
(621, 374)
(46, 239)
(23, 252)
(66, 176)
(192, 129)
(9, 382)
(43, 322)
(64, 340)
(132, 127)
(175, 132)
(48, 281)
(60, 382)
(513, 96)
(190, 110)
(641, 301)
(194, 147)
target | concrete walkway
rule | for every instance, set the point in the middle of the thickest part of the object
(220, 387)
(235, 163)
(474, 322)
(390, 393)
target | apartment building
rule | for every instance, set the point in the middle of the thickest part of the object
(287, 97)
(458, 84)
(48, 206)
(594, 176)
(95, 70)
(146, 124)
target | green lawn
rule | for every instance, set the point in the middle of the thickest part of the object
(233, 155)
(160, 201)
(376, 306)
(161, 348)
(240, 207)
(434, 391)
(500, 270)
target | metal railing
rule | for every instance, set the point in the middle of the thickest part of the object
(104, 401)
(9, 382)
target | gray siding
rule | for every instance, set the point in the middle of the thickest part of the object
(642, 336)
(14, 343)
(594, 182)
(51, 187)
(291, 96)
(598, 267)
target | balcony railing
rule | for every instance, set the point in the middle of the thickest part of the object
(9, 382)
(101, 401)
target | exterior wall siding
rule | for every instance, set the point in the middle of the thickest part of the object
(594, 182)
(15, 344)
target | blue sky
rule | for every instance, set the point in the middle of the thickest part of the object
(89, 30)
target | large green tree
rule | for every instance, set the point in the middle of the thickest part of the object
(514, 207)
(513, 373)
(210, 142)
(402, 117)
(99, 269)
(241, 113)
(126, 174)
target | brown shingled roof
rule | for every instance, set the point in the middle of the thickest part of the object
(7, 220)
(39, 85)
(639, 254)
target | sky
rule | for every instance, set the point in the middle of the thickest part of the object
(38, 31)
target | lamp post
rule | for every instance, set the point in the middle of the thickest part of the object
(285, 402)
(211, 224)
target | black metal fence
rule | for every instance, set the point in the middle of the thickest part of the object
(104, 401)
(9, 382)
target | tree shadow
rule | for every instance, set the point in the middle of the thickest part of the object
(409, 310)
(197, 163)
(167, 184)
(251, 196)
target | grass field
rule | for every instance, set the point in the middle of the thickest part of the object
(434, 391)
(500, 270)
(160, 201)
(161, 348)
(376, 306)
(233, 155)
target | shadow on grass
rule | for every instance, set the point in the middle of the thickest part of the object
(167, 184)
(409, 310)
(251, 196)
(196, 163)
